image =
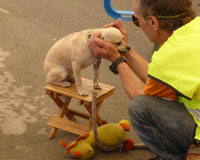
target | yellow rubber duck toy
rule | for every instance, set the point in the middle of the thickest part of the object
(110, 134)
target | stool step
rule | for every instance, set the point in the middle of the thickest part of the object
(68, 125)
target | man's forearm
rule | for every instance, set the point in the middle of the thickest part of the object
(131, 83)
(138, 64)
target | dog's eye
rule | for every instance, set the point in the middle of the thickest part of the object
(118, 43)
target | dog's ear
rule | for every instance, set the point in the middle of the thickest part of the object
(102, 37)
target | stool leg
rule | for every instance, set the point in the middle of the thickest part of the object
(88, 106)
(53, 129)
(66, 111)
(59, 103)
(63, 111)
(99, 120)
(52, 132)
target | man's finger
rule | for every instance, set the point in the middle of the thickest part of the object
(122, 29)
(100, 43)
(96, 35)
(119, 23)
(110, 25)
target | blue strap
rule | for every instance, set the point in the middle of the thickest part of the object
(121, 145)
(115, 14)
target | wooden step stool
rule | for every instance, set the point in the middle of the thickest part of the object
(70, 125)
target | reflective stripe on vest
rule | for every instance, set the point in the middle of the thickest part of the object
(195, 112)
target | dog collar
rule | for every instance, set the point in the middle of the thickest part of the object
(89, 36)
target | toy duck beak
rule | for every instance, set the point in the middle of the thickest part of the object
(125, 126)
(62, 142)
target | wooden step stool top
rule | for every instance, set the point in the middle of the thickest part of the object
(104, 92)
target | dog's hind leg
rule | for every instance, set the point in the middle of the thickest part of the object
(57, 76)
(96, 70)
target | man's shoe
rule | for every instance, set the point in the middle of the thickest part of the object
(193, 153)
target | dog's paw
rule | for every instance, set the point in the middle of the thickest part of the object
(82, 92)
(62, 84)
(65, 84)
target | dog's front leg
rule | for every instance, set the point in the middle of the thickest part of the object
(96, 70)
(78, 81)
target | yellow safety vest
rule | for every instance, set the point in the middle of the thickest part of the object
(177, 64)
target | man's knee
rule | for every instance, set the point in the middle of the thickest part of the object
(138, 105)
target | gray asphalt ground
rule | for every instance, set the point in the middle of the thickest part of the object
(28, 28)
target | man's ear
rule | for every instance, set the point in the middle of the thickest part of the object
(154, 22)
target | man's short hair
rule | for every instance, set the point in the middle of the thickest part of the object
(170, 13)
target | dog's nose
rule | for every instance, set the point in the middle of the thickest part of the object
(128, 48)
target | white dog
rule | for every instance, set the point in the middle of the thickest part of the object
(71, 54)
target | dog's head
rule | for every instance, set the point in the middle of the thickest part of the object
(114, 36)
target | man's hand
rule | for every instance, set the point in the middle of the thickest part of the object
(102, 49)
(120, 26)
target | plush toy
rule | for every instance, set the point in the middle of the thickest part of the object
(109, 135)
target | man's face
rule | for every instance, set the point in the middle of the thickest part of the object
(145, 23)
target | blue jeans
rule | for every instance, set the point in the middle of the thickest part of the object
(165, 127)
